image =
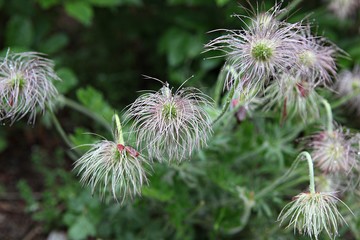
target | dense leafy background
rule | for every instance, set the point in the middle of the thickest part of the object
(101, 49)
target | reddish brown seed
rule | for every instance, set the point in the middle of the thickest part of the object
(120, 147)
(132, 151)
(303, 91)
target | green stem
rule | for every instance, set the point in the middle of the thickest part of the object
(60, 130)
(289, 8)
(231, 94)
(282, 179)
(78, 107)
(62, 134)
(329, 115)
(311, 170)
(278, 181)
(119, 134)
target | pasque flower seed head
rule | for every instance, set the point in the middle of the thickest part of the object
(260, 52)
(333, 151)
(311, 213)
(113, 167)
(293, 95)
(316, 58)
(171, 125)
(26, 85)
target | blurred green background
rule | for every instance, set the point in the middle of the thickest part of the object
(102, 49)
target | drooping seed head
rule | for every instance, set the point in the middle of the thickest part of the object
(292, 95)
(110, 167)
(312, 213)
(170, 126)
(26, 85)
(348, 83)
(333, 151)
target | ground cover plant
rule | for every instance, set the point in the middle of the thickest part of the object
(248, 130)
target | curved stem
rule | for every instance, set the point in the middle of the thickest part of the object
(60, 130)
(311, 170)
(282, 179)
(78, 107)
(329, 115)
(62, 133)
(119, 133)
(278, 181)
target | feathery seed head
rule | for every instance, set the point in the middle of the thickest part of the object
(293, 95)
(259, 52)
(171, 125)
(316, 58)
(113, 166)
(311, 213)
(26, 85)
(333, 151)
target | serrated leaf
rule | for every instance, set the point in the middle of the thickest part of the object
(80, 11)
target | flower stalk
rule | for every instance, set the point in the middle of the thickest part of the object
(119, 133)
(329, 115)
(311, 170)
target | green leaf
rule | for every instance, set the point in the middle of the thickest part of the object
(180, 46)
(94, 101)
(19, 32)
(54, 43)
(81, 229)
(81, 11)
(69, 80)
